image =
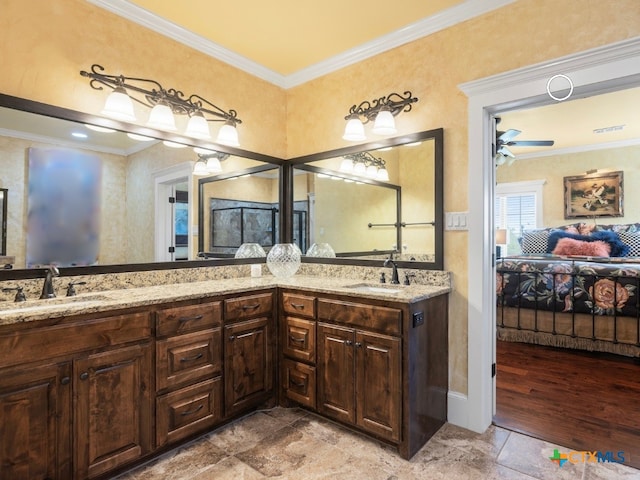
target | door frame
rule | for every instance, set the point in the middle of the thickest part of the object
(163, 182)
(608, 68)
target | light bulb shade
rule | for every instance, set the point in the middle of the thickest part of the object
(501, 236)
(161, 117)
(200, 168)
(384, 124)
(346, 165)
(321, 250)
(382, 175)
(354, 130)
(198, 127)
(372, 171)
(359, 168)
(213, 165)
(250, 250)
(119, 106)
(228, 135)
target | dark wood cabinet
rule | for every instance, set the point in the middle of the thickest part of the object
(359, 379)
(35, 412)
(113, 411)
(249, 352)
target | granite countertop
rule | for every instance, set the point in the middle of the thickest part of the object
(32, 310)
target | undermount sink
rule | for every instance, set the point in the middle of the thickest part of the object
(375, 288)
(37, 304)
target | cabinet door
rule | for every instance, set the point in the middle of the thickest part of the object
(248, 365)
(113, 409)
(378, 384)
(35, 409)
(335, 368)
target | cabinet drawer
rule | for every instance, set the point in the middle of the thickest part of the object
(383, 319)
(299, 305)
(299, 382)
(188, 318)
(188, 411)
(188, 357)
(21, 347)
(248, 306)
(299, 339)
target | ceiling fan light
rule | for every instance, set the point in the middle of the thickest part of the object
(200, 168)
(118, 105)
(346, 165)
(213, 165)
(228, 135)
(161, 117)
(198, 127)
(354, 130)
(384, 124)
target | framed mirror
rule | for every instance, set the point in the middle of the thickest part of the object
(135, 175)
(373, 201)
(4, 192)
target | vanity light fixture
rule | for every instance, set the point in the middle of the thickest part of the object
(380, 111)
(209, 163)
(164, 104)
(366, 165)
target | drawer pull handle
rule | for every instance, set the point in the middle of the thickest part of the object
(297, 340)
(191, 359)
(84, 375)
(188, 319)
(296, 384)
(299, 306)
(250, 307)
(191, 412)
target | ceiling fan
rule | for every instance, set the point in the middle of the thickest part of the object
(506, 139)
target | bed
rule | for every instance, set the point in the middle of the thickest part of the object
(572, 300)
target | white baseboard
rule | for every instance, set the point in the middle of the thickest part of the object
(457, 409)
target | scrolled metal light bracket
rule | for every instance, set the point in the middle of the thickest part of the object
(394, 102)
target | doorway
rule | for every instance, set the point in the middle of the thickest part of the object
(595, 71)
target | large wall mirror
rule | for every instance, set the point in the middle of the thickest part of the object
(133, 176)
(373, 201)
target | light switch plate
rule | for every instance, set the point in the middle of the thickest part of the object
(456, 221)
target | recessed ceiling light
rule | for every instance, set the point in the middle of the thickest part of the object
(79, 135)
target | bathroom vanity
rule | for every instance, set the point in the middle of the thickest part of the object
(94, 384)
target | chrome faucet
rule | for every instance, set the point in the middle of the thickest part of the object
(394, 275)
(47, 288)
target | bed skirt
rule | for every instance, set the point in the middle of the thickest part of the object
(599, 333)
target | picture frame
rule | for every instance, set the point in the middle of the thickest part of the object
(594, 195)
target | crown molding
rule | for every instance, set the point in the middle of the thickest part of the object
(447, 18)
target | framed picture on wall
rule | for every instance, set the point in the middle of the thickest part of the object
(593, 195)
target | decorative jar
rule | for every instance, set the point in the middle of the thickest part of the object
(283, 259)
(250, 250)
(321, 250)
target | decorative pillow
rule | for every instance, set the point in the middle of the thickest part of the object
(633, 240)
(569, 246)
(618, 248)
(534, 241)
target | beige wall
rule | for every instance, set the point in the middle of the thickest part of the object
(47, 43)
(553, 169)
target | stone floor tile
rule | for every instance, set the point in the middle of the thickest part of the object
(610, 471)
(532, 456)
(229, 469)
(490, 442)
(286, 415)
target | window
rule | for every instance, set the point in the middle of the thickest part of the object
(518, 207)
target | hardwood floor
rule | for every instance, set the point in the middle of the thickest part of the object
(582, 400)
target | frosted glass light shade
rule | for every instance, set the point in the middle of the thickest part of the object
(200, 168)
(228, 135)
(198, 127)
(382, 175)
(359, 168)
(384, 124)
(372, 171)
(321, 250)
(283, 259)
(354, 130)
(250, 250)
(161, 117)
(346, 165)
(213, 166)
(119, 106)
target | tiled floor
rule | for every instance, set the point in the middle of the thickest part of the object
(293, 444)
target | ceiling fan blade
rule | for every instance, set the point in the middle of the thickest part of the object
(531, 143)
(505, 151)
(508, 135)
